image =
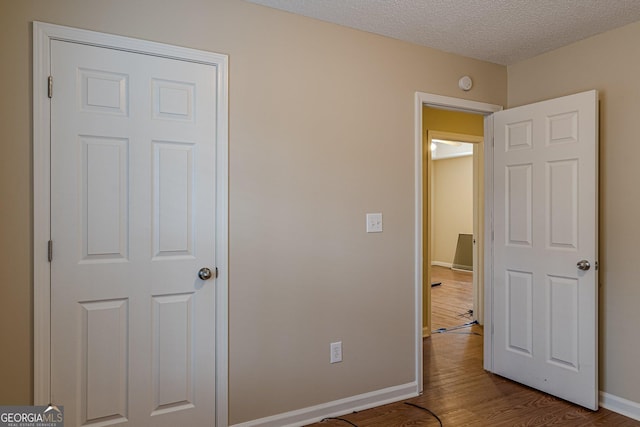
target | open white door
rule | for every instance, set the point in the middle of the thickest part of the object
(545, 246)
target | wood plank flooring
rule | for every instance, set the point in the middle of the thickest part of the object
(460, 392)
(452, 300)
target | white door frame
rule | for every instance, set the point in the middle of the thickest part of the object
(456, 104)
(42, 35)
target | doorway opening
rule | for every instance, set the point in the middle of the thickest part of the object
(452, 231)
(422, 224)
(452, 153)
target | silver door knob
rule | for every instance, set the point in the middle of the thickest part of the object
(584, 265)
(205, 273)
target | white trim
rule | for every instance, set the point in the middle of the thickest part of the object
(418, 249)
(336, 408)
(488, 244)
(222, 240)
(477, 280)
(620, 405)
(457, 104)
(42, 35)
(442, 264)
(41, 217)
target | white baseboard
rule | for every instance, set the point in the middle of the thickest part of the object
(361, 402)
(442, 264)
(314, 414)
(622, 406)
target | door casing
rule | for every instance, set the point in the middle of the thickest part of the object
(43, 33)
(457, 104)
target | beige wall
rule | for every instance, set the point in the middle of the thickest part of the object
(609, 63)
(321, 132)
(452, 205)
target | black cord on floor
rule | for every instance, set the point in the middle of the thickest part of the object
(425, 409)
(406, 403)
(339, 419)
(453, 328)
(468, 314)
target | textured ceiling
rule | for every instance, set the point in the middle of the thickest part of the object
(499, 31)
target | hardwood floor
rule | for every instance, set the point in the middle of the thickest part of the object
(460, 392)
(452, 300)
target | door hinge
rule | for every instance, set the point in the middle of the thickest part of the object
(50, 250)
(50, 86)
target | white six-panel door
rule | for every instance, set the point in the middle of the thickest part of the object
(132, 222)
(545, 223)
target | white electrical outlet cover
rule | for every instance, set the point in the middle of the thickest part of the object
(374, 223)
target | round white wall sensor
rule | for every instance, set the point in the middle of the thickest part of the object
(465, 83)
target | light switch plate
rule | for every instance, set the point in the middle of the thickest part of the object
(336, 352)
(374, 223)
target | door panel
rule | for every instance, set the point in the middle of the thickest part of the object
(545, 222)
(132, 221)
(104, 352)
(172, 351)
(173, 175)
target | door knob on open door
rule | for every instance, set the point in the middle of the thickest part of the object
(584, 265)
(205, 273)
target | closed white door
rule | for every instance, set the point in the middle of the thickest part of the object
(132, 223)
(545, 246)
